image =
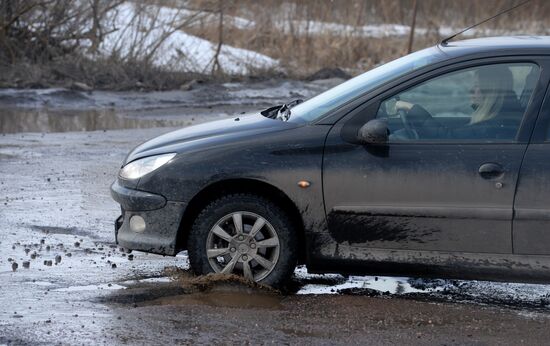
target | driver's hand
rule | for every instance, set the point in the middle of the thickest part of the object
(403, 105)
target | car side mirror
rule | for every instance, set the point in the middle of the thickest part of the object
(374, 132)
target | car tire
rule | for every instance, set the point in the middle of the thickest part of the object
(264, 240)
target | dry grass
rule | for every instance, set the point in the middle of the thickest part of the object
(302, 52)
(50, 51)
(300, 56)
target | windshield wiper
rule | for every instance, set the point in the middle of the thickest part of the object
(283, 113)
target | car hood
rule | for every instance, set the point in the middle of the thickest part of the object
(207, 134)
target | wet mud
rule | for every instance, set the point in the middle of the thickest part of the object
(229, 294)
(356, 228)
(234, 291)
(185, 288)
(462, 292)
(72, 285)
(60, 110)
(223, 309)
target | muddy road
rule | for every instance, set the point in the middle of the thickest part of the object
(63, 281)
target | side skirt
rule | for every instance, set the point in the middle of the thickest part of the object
(354, 260)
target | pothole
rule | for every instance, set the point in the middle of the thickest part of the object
(218, 290)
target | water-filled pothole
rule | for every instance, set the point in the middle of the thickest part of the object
(45, 120)
(186, 289)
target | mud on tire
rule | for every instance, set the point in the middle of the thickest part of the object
(255, 233)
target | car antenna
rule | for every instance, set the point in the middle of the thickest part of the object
(446, 40)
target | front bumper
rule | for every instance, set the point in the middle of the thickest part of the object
(162, 220)
(131, 199)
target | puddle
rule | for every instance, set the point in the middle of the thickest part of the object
(46, 120)
(185, 289)
(229, 296)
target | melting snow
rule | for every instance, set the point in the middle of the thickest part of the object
(153, 29)
(391, 285)
(90, 288)
(152, 280)
(302, 27)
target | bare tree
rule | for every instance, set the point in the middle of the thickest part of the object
(216, 67)
(413, 24)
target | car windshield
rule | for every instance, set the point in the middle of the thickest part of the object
(331, 99)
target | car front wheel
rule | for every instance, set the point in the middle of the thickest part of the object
(246, 235)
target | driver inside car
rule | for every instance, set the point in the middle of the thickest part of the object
(496, 111)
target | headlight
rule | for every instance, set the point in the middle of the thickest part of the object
(137, 169)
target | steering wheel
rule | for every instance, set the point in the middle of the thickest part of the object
(409, 129)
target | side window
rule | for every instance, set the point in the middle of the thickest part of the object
(484, 103)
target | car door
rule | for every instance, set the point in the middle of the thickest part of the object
(450, 191)
(531, 225)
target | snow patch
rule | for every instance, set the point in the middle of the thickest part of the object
(151, 32)
(302, 27)
(383, 284)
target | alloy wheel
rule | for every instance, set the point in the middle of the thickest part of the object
(243, 243)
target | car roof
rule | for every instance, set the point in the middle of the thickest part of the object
(499, 45)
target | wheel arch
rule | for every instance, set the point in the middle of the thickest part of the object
(241, 185)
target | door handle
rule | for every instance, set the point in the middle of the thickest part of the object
(490, 170)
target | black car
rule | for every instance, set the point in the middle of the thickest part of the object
(435, 164)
